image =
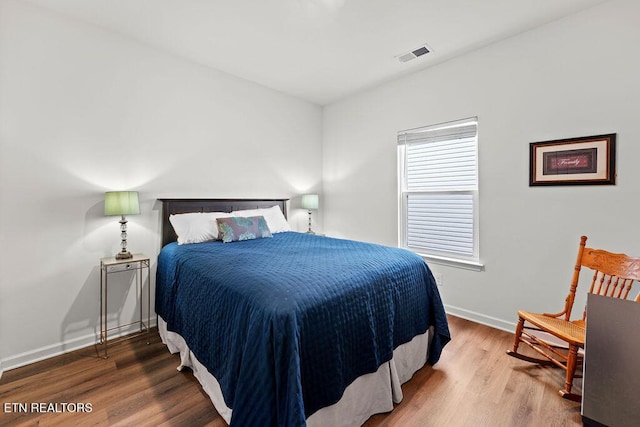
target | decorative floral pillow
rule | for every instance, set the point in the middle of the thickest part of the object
(233, 229)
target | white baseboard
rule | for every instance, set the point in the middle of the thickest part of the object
(57, 349)
(47, 352)
(483, 319)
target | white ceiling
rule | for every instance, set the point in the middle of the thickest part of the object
(318, 50)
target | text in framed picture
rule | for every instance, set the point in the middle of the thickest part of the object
(573, 161)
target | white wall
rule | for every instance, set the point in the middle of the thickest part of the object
(575, 77)
(83, 111)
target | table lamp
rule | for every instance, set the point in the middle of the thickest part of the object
(122, 203)
(310, 202)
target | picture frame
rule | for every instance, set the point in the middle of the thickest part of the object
(588, 160)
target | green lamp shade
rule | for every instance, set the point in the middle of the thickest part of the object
(121, 203)
(310, 201)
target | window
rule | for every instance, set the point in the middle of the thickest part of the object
(438, 179)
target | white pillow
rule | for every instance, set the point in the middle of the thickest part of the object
(276, 221)
(196, 227)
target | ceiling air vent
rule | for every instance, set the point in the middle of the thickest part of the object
(422, 50)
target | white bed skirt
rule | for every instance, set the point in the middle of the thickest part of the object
(368, 395)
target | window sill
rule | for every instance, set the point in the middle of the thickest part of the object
(452, 262)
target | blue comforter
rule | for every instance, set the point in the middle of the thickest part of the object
(285, 324)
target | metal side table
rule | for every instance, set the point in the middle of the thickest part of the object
(110, 266)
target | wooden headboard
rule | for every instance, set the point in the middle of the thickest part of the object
(177, 206)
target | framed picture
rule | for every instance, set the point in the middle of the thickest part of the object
(589, 160)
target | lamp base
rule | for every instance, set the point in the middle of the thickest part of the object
(124, 255)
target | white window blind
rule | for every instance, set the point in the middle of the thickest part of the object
(438, 189)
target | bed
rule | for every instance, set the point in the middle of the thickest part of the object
(295, 329)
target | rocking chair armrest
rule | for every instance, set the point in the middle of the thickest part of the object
(567, 308)
(562, 313)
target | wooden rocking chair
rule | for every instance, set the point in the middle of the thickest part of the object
(614, 275)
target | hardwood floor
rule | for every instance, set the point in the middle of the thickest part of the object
(474, 384)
